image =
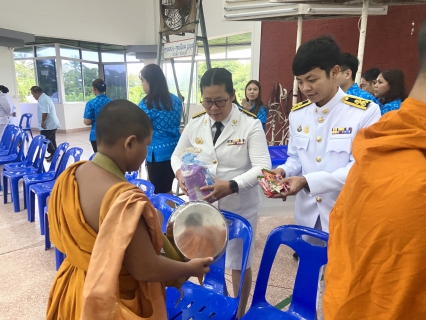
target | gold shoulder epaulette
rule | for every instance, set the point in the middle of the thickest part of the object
(301, 105)
(199, 114)
(356, 102)
(248, 113)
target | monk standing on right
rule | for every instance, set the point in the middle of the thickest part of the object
(377, 247)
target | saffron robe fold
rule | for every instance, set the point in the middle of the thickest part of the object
(103, 288)
(377, 244)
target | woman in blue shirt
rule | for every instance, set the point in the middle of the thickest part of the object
(93, 107)
(165, 111)
(389, 90)
(253, 101)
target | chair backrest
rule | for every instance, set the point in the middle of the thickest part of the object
(92, 156)
(131, 175)
(159, 203)
(72, 153)
(238, 228)
(6, 139)
(18, 146)
(59, 152)
(33, 152)
(27, 118)
(311, 259)
(144, 185)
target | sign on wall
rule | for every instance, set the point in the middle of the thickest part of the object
(178, 49)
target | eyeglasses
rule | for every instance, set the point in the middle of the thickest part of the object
(220, 103)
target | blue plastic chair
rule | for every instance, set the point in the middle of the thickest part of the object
(159, 203)
(50, 175)
(7, 138)
(311, 259)
(144, 185)
(211, 301)
(16, 171)
(131, 175)
(43, 190)
(92, 156)
(16, 153)
(59, 256)
(27, 127)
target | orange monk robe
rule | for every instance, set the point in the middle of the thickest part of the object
(377, 246)
(110, 292)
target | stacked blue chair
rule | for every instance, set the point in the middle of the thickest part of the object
(311, 260)
(16, 152)
(211, 301)
(16, 171)
(26, 117)
(159, 203)
(131, 175)
(145, 186)
(59, 256)
(43, 190)
(51, 174)
(7, 139)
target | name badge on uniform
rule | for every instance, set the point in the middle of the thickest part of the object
(236, 142)
(341, 130)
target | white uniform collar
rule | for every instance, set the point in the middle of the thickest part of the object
(334, 101)
(224, 121)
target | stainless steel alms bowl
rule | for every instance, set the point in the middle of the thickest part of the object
(199, 230)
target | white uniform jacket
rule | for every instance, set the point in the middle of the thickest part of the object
(320, 149)
(239, 154)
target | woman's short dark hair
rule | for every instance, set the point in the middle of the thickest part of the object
(395, 79)
(217, 77)
(159, 95)
(4, 89)
(323, 53)
(258, 102)
(99, 84)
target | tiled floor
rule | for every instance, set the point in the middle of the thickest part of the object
(27, 271)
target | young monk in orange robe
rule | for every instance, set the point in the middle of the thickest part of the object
(377, 246)
(109, 230)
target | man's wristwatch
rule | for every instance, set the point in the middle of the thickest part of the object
(233, 185)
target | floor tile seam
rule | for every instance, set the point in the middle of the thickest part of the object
(34, 245)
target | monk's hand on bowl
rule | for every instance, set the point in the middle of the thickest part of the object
(292, 185)
(181, 182)
(200, 266)
(218, 190)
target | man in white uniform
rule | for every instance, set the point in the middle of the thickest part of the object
(321, 133)
(235, 150)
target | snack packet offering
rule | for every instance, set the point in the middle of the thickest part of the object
(195, 174)
(269, 183)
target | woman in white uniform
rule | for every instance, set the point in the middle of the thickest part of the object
(5, 108)
(12, 117)
(234, 148)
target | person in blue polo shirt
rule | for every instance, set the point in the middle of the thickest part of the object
(93, 107)
(253, 102)
(346, 77)
(165, 111)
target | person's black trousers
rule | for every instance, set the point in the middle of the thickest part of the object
(51, 135)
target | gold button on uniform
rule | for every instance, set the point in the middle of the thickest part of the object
(319, 139)
(325, 110)
(318, 159)
(319, 199)
(214, 161)
(320, 119)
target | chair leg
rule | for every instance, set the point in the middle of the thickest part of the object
(31, 207)
(5, 185)
(31, 133)
(47, 243)
(25, 195)
(41, 205)
(15, 195)
(59, 258)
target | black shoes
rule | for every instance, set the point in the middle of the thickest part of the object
(49, 158)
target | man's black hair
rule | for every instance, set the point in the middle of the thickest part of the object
(371, 74)
(349, 61)
(120, 119)
(36, 89)
(323, 53)
(421, 43)
(217, 77)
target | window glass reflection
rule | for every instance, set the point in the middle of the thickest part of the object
(115, 79)
(90, 73)
(46, 75)
(73, 80)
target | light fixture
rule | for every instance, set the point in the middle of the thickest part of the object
(345, 10)
(253, 6)
(259, 13)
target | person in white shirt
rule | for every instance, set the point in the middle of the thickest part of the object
(5, 108)
(12, 117)
(235, 150)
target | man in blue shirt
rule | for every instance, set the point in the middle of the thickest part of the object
(346, 77)
(48, 122)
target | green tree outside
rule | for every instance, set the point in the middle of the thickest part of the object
(25, 77)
